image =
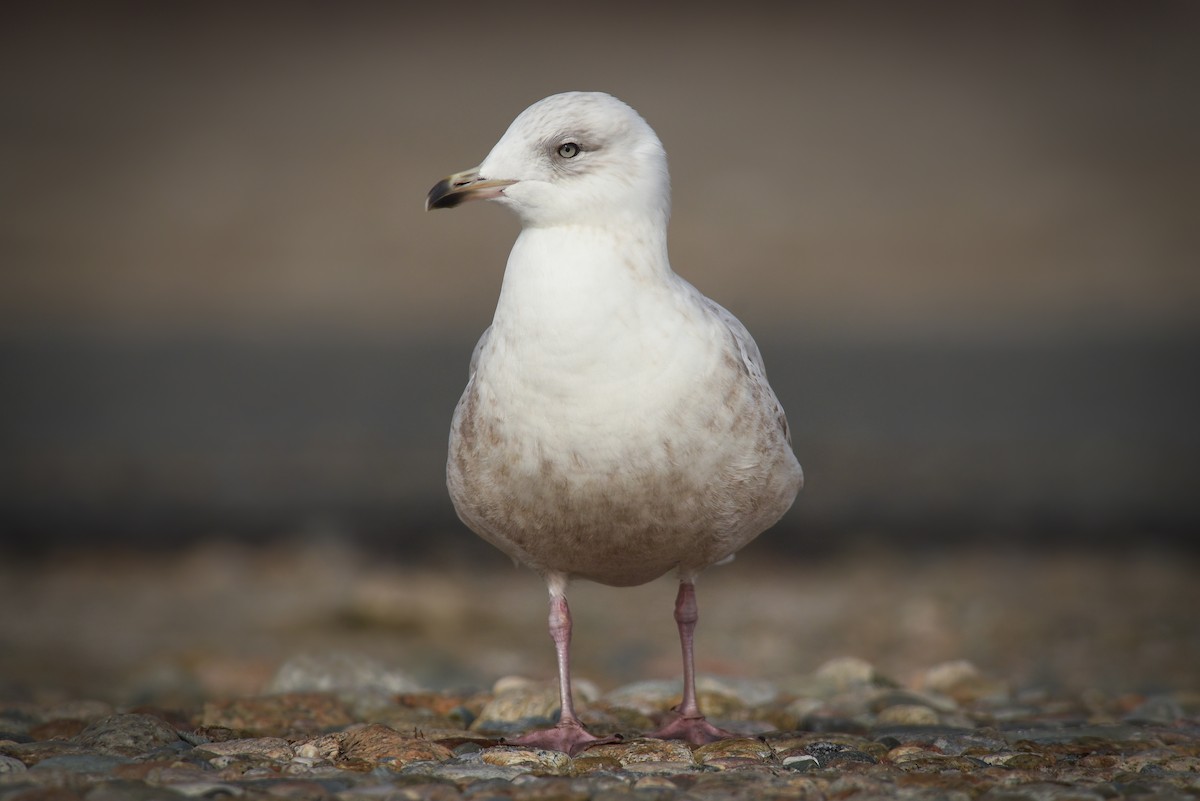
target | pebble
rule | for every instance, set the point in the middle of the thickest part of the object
(963, 681)
(537, 760)
(518, 709)
(647, 697)
(645, 750)
(376, 743)
(81, 763)
(11, 765)
(729, 754)
(355, 678)
(848, 673)
(268, 748)
(933, 739)
(127, 735)
(907, 715)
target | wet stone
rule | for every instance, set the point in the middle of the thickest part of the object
(820, 743)
(962, 681)
(846, 674)
(264, 748)
(124, 791)
(127, 735)
(877, 741)
(81, 763)
(362, 683)
(465, 769)
(731, 754)
(946, 739)
(907, 715)
(648, 697)
(1071, 734)
(378, 744)
(11, 765)
(747, 692)
(1041, 791)
(800, 762)
(641, 750)
(1157, 709)
(518, 710)
(587, 763)
(536, 760)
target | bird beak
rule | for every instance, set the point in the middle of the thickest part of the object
(463, 186)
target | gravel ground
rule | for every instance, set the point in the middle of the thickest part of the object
(310, 670)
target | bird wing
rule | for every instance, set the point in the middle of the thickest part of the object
(487, 333)
(752, 358)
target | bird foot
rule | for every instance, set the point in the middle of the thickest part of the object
(570, 738)
(693, 729)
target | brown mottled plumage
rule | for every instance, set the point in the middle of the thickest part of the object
(616, 424)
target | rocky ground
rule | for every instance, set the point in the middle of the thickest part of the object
(230, 672)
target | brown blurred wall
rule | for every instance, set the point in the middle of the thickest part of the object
(964, 235)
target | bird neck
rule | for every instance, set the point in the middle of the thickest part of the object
(569, 289)
(582, 266)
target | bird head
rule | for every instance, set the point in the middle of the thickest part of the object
(572, 158)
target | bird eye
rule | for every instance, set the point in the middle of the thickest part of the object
(568, 150)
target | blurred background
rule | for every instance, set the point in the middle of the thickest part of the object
(963, 235)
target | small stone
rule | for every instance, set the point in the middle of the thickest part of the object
(212, 734)
(800, 762)
(726, 754)
(519, 709)
(11, 765)
(32, 753)
(204, 789)
(1041, 791)
(127, 735)
(587, 763)
(464, 770)
(377, 743)
(847, 673)
(647, 697)
(907, 715)
(537, 760)
(1020, 761)
(962, 681)
(164, 771)
(822, 743)
(309, 751)
(341, 673)
(801, 708)
(81, 763)
(882, 699)
(269, 748)
(748, 692)
(1157, 709)
(660, 768)
(645, 750)
(124, 791)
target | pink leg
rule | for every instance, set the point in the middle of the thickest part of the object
(569, 735)
(685, 721)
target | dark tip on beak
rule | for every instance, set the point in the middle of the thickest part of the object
(445, 195)
(462, 186)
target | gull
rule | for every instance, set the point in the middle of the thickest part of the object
(617, 424)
